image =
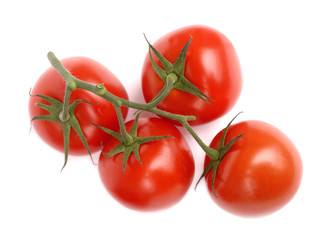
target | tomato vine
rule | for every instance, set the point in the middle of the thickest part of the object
(118, 102)
(173, 77)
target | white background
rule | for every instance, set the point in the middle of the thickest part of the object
(285, 51)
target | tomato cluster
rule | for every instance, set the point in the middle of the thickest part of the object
(78, 106)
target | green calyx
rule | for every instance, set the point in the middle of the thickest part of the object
(130, 144)
(222, 150)
(175, 71)
(55, 110)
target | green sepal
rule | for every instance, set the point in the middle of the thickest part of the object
(66, 137)
(55, 108)
(222, 150)
(111, 132)
(133, 147)
(178, 68)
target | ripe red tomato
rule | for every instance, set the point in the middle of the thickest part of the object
(163, 179)
(211, 65)
(260, 174)
(101, 112)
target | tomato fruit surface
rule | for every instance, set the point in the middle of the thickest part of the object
(260, 174)
(163, 179)
(101, 112)
(211, 65)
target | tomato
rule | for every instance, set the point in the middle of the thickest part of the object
(260, 173)
(211, 65)
(101, 112)
(163, 179)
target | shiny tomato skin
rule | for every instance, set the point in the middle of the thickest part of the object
(212, 65)
(101, 112)
(163, 179)
(260, 174)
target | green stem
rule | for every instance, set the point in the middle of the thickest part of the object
(102, 92)
(68, 78)
(73, 83)
(127, 139)
(168, 86)
(212, 153)
(96, 89)
(65, 74)
(64, 115)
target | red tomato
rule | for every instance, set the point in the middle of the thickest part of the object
(261, 172)
(163, 179)
(211, 65)
(102, 112)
